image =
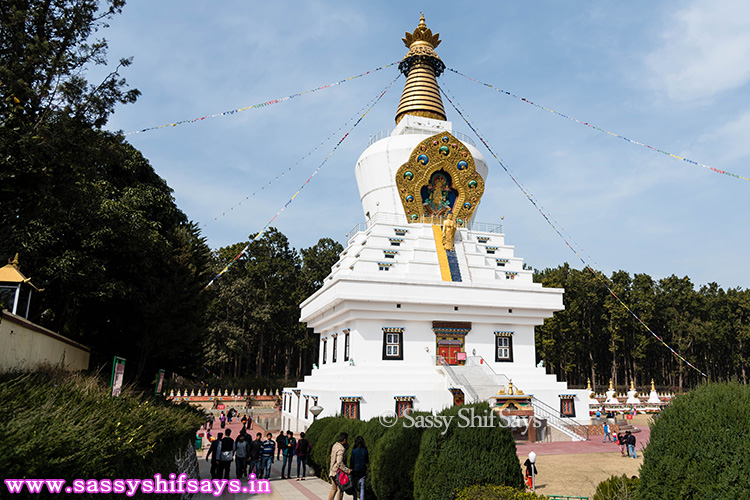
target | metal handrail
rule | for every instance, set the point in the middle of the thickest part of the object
(498, 378)
(561, 422)
(458, 381)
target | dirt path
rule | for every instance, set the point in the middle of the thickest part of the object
(575, 469)
(578, 475)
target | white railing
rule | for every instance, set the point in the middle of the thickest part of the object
(391, 218)
(559, 422)
(387, 133)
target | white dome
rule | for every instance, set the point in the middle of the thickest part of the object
(377, 166)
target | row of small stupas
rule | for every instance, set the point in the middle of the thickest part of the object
(204, 393)
(611, 401)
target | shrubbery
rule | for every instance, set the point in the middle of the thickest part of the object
(699, 446)
(451, 460)
(418, 462)
(393, 460)
(617, 488)
(477, 492)
(57, 425)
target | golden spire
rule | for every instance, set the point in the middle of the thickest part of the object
(421, 66)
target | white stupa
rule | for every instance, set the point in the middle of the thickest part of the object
(425, 308)
(632, 395)
(653, 397)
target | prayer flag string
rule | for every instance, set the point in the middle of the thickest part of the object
(712, 169)
(289, 169)
(552, 225)
(262, 104)
(263, 230)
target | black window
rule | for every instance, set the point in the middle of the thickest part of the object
(325, 351)
(504, 348)
(346, 346)
(335, 349)
(393, 344)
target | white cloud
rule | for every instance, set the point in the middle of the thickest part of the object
(704, 51)
(731, 138)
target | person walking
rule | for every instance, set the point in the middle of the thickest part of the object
(269, 446)
(225, 452)
(223, 420)
(241, 449)
(360, 460)
(280, 446)
(212, 453)
(302, 450)
(288, 454)
(338, 450)
(607, 433)
(256, 448)
(630, 440)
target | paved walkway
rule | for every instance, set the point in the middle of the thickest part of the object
(593, 445)
(312, 488)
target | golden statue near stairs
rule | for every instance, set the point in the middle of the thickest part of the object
(449, 232)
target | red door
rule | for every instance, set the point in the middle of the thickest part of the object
(452, 351)
(443, 351)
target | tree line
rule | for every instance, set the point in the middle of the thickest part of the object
(120, 265)
(253, 314)
(597, 338)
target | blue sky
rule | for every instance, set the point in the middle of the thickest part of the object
(673, 75)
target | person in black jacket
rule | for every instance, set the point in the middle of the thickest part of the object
(256, 447)
(212, 453)
(225, 452)
(630, 439)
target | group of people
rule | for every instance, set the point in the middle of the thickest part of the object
(255, 456)
(247, 423)
(626, 441)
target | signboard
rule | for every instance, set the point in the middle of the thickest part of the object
(220, 407)
(159, 382)
(460, 356)
(629, 416)
(118, 372)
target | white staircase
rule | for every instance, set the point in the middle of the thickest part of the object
(479, 382)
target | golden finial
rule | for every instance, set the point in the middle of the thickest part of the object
(424, 35)
(632, 385)
(15, 261)
(421, 66)
(588, 385)
(653, 387)
(611, 387)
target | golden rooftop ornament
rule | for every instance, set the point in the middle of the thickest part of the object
(421, 66)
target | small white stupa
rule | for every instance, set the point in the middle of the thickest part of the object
(653, 397)
(611, 395)
(632, 395)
